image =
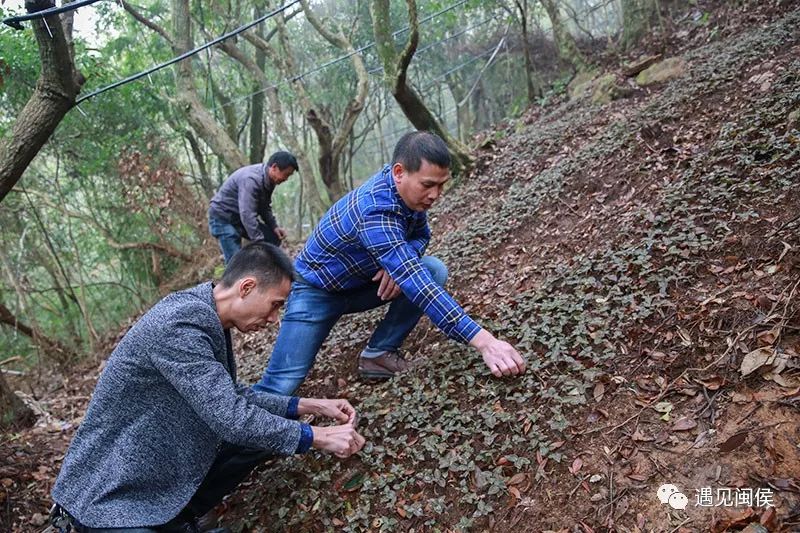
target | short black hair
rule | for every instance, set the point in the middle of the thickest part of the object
(413, 147)
(283, 160)
(266, 262)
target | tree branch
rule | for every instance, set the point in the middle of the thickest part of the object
(198, 116)
(336, 38)
(112, 242)
(56, 90)
(411, 44)
(62, 353)
(147, 22)
(395, 77)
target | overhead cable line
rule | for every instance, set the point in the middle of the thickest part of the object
(188, 54)
(457, 34)
(398, 132)
(338, 59)
(433, 82)
(394, 34)
(430, 17)
(466, 63)
(371, 44)
(405, 129)
(16, 22)
(480, 74)
(440, 41)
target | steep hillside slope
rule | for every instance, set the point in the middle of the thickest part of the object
(636, 252)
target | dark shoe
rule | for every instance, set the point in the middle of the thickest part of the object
(384, 367)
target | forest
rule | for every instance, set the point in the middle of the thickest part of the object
(623, 208)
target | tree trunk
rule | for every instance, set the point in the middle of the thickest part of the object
(565, 42)
(228, 111)
(329, 159)
(64, 298)
(205, 179)
(198, 116)
(522, 6)
(638, 17)
(351, 153)
(58, 86)
(220, 140)
(395, 70)
(300, 211)
(13, 413)
(53, 348)
(332, 141)
(381, 141)
(458, 89)
(258, 140)
(464, 118)
(481, 111)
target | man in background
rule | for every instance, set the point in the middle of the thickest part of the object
(242, 207)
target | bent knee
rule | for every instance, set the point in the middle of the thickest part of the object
(436, 268)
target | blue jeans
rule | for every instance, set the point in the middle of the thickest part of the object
(230, 240)
(312, 312)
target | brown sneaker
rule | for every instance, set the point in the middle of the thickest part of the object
(383, 367)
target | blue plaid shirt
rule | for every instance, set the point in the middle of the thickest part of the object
(371, 228)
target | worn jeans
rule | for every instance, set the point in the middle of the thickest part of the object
(232, 465)
(230, 236)
(310, 316)
(230, 240)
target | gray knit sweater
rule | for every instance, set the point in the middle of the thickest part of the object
(163, 404)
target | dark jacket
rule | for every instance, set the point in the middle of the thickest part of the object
(245, 195)
(164, 403)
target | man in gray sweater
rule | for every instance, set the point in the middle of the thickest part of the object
(169, 431)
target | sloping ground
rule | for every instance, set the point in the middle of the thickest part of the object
(635, 252)
(638, 253)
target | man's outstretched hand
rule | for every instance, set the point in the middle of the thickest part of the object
(339, 410)
(501, 358)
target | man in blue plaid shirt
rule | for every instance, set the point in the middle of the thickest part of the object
(366, 251)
